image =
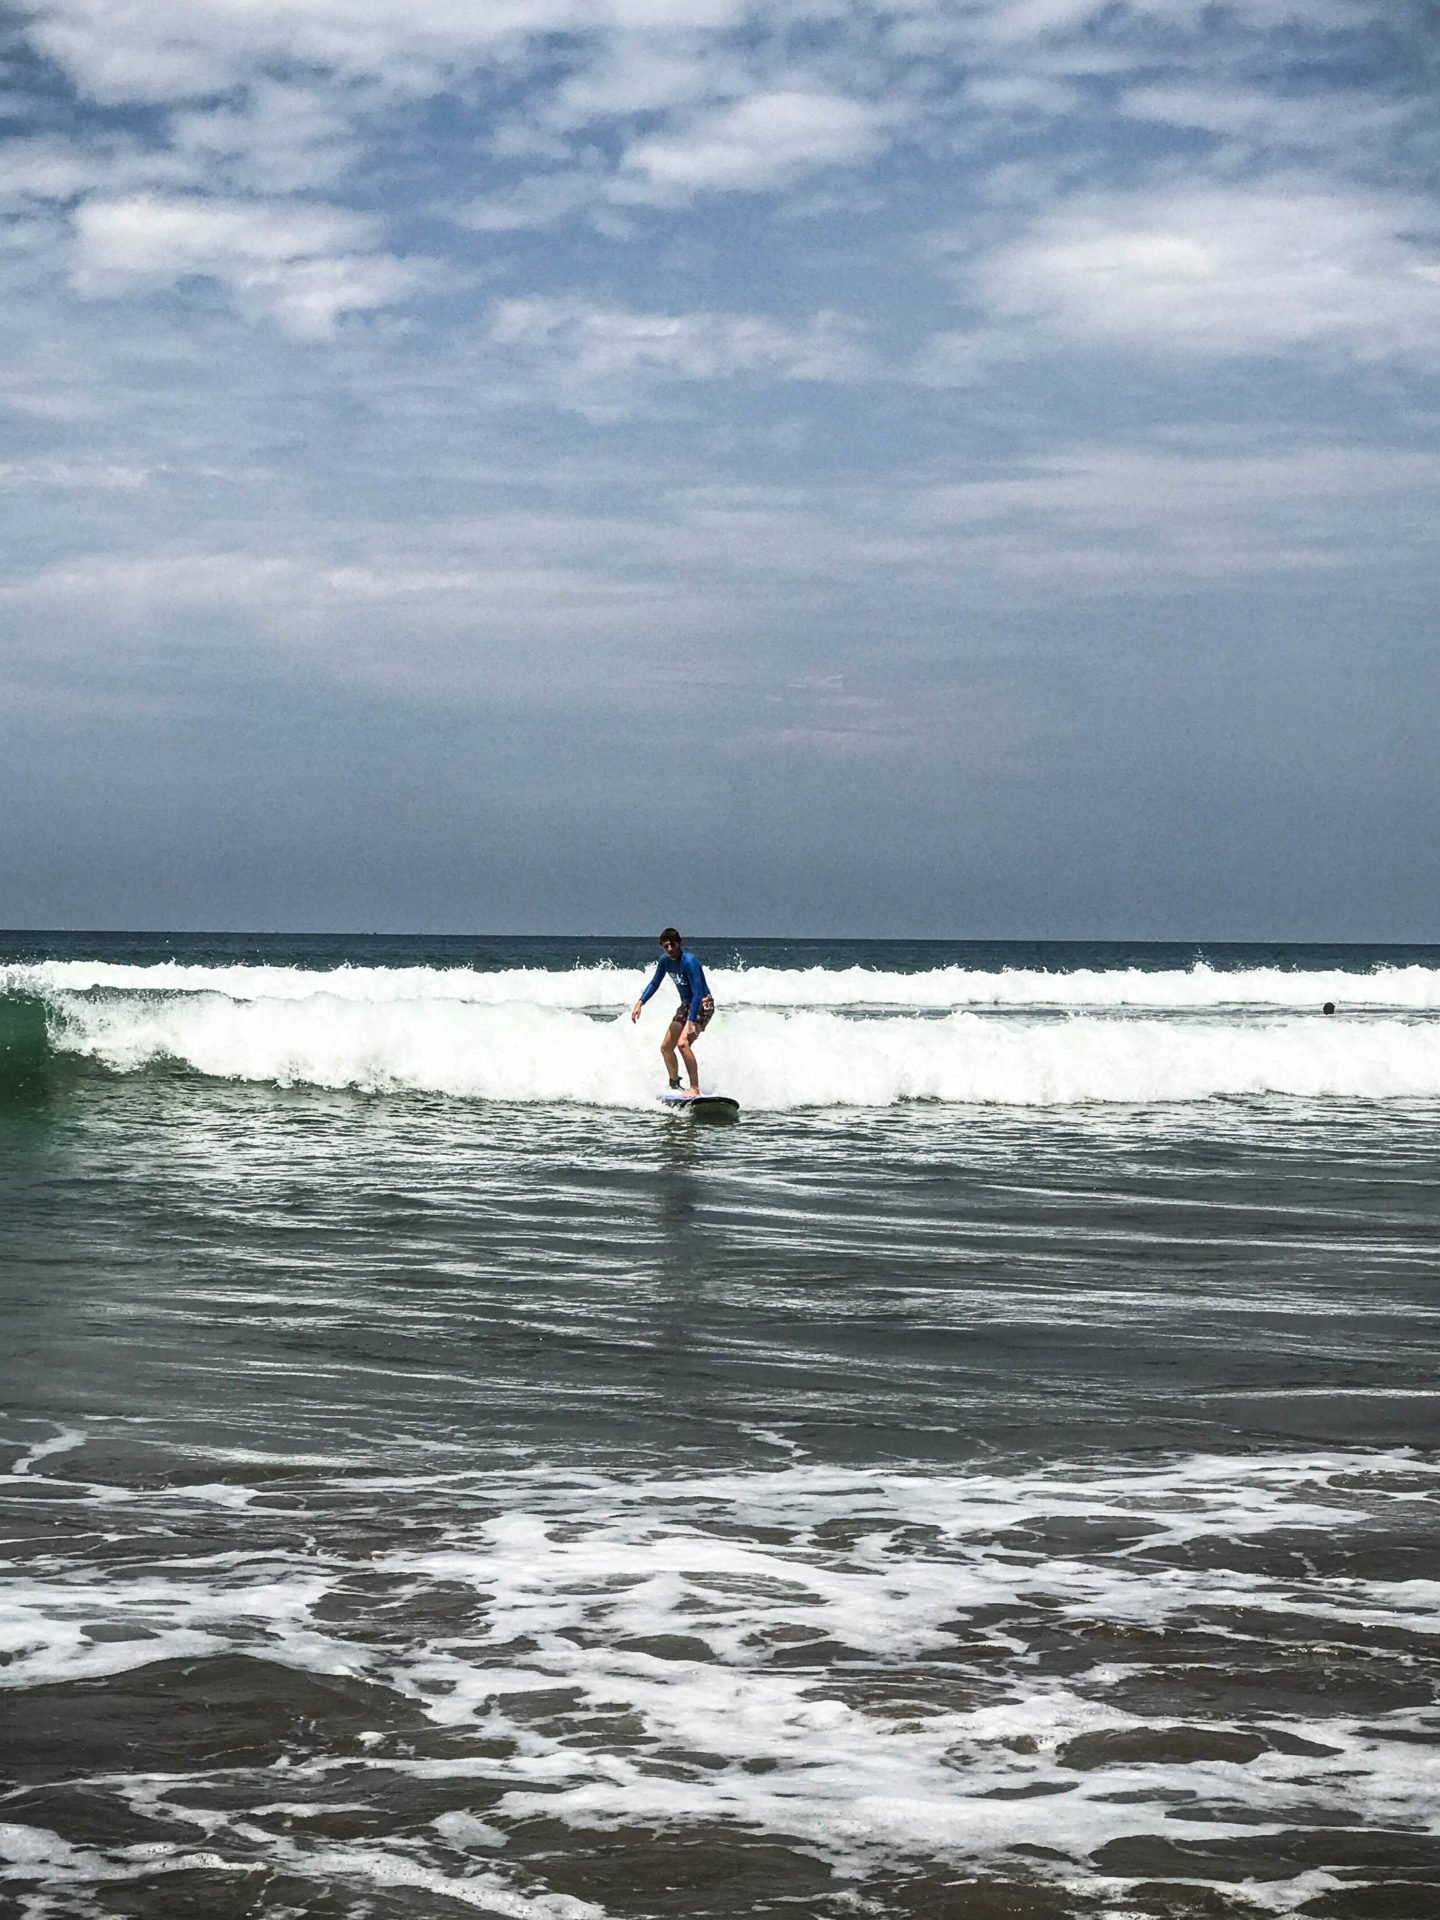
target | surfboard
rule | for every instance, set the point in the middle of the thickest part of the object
(705, 1106)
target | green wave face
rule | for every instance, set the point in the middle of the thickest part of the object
(27, 1060)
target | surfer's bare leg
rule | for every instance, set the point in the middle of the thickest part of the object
(667, 1050)
(688, 1034)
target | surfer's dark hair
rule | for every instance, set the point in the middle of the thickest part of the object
(670, 933)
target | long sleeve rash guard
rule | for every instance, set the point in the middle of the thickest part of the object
(689, 977)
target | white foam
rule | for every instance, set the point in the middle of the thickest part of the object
(528, 1051)
(591, 1580)
(190, 1611)
(64, 1442)
(373, 1867)
(656, 1605)
(36, 1854)
(1193, 989)
(578, 987)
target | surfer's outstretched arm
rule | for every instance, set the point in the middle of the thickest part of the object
(655, 979)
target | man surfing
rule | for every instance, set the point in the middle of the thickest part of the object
(693, 1014)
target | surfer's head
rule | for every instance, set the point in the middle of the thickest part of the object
(670, 939)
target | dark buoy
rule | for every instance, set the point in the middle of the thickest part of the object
(1329, 1007)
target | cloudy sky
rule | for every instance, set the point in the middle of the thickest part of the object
(955, 467)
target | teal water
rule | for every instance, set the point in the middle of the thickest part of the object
(997, 1477)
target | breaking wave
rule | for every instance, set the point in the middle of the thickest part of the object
(937, 989)
(782, 1039)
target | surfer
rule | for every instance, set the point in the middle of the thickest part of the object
(693, 1014)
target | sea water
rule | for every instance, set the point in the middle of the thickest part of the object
(997, 1480)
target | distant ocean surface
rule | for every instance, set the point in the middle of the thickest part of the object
(998, 1479)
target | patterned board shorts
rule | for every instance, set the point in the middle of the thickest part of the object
(702, 1018)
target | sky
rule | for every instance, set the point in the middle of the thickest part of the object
(951, 468)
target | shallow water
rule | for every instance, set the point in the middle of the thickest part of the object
(422, 1499)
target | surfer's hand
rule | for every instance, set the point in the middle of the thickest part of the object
(635, 1013)
(690, 1032)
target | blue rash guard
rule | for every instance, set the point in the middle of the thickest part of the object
(689, 977)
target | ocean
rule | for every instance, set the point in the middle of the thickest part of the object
(997, 1479)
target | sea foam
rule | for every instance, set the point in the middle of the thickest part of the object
(783, 1039)
(878, 1665)
(937, 989)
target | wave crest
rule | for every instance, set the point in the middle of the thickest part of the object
(591, 988)
(767, 1058)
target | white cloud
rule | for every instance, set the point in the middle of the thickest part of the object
(41, 170)
(302, 266)
(280, 138)
(1011, 22)
(758, 143)
(620, 57)
(139, 583)
(591, 355)
(106, 476)
(536, 202)
(1102, 518)
(697, 98)
(146, 235)
(155, 51)
(1143, 517)
(653, 103)
(1280, 267)
(1265, 118)
(631, 75)
(1021, 93)
(151, 50)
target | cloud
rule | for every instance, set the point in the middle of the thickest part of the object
(536, 202)
(647, 73)
(591, 356)
(1268, 121)
(1008, 22)
(148, 50)
(71, 475)
(707, 449)
(1105, 513)
(1091, 519)
(49, 170)
(758, 143)
(302, 266)
(1222, 271)
(280, 138)
(718, 587)
(1021, 93)
(638, 102)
